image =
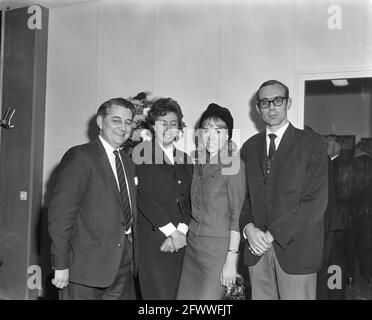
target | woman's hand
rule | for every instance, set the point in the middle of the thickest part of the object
(228, 274)
(167, 245)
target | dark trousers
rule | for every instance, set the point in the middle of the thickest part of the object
(322, 290)
(333, 255)
(120, 289)
(351, 235)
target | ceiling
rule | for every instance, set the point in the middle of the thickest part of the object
(323, 87)
(13, 4)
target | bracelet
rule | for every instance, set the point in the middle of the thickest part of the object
(233, 251)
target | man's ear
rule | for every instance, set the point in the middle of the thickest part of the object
(289, 103)
(99, 121)
(258, 109)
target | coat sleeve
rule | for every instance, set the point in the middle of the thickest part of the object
(186, 211)
(246, 212)
(236, 192)
(313, 201)
(71, 182)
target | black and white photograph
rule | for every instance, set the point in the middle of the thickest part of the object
(185, 155)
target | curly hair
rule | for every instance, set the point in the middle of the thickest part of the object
(160, 108)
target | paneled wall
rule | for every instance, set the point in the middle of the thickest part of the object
(22, 151)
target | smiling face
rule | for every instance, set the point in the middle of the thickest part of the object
(214, 134)
(274, 116)
(116, 126)
(166, 129)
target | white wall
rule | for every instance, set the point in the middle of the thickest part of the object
(344, 114)
(196, 52)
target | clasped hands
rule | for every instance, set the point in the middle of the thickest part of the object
(174, 242)
(259, 241)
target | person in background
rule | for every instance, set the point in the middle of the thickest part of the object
(361, 200)
(333, 252)
(342, 161)
(164, 178)
(92, 213)
(210, 264)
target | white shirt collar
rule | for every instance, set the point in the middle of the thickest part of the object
(169, 152)
(279, 133)
(108, 147)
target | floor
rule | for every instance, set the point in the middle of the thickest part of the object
(361, 289)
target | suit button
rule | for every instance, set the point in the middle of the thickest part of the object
(179, 181)
(119, 245)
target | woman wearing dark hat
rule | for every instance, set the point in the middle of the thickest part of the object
(163, 203)
(217, 194)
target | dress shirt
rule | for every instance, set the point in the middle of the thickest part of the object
(111, 157)
(279, 134)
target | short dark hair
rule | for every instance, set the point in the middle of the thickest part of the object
(271, 83)
(335, 138)
(104, 108)
(160, 108)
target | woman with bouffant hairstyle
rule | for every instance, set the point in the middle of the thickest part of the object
(163, 204)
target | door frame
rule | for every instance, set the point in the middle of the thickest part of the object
(304, 75)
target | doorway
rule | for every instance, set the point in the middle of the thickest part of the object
(340, 104)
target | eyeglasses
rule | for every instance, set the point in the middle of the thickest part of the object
(277, 102)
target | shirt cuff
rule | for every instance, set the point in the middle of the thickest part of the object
(168, 229)
(182, 227)
(244, 236)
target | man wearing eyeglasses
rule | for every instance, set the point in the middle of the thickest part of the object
(282, 217)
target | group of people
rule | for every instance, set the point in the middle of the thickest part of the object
(348, 242)
(178, 223)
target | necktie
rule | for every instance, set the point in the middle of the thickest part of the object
(271, 152)
(128, 219)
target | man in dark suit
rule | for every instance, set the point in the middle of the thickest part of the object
(333, 249)
(92, 213)
(282, 217)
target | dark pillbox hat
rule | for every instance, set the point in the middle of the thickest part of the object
(214, 110)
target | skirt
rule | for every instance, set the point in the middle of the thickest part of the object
(202, 267)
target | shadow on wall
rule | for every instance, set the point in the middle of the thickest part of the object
(49, 292)
(254, 115)
(93, 129)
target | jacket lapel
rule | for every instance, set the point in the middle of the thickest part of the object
(261, 152)
(106, 169)
(283, 149)
(159, 155)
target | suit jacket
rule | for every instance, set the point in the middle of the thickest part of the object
(333, 220)
(85, 215)
(217, 197)
(291, 200)
(163, 189)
